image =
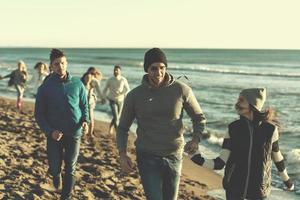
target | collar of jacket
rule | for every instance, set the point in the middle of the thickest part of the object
(252, 122)
(169, 81)
(56, 77)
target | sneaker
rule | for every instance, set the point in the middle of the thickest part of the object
(56, 181)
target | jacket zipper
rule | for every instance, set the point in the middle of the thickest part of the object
(249, 159)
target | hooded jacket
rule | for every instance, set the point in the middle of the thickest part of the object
(158, 113)
(61, 105)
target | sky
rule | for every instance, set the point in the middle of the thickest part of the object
(254, 24)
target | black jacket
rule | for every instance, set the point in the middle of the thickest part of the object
(248, 169)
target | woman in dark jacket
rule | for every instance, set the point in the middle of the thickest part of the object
(18, 78)
(248, 150)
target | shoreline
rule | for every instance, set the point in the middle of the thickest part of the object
(23, 164)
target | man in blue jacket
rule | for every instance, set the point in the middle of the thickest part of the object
(61, 111)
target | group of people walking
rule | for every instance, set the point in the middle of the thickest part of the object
(64, 111)
(115, 89)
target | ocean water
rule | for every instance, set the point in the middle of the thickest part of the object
(216, 76)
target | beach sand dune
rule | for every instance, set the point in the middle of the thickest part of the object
(23, 164)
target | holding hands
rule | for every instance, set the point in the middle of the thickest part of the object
(192, 146)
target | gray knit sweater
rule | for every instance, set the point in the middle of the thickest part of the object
(158, 113)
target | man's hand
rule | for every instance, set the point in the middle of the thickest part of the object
(125, 163)
(85, 128)
(192, 146)
(56, 135)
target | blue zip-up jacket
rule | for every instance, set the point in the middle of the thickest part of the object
(61, 105)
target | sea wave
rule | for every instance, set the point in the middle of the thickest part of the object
(226, 70)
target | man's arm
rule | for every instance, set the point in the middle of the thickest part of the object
(83, 104)
(40, 113)
(194, 111)
(104, 93)
(127, 117)
(126, 87)
(126, 120)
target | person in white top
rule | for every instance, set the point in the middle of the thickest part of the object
(41, 71)
(91, 80)
(115, 91)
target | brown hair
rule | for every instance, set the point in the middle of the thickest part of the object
(56, 53)
(117, 67)
(37, 65)
(93, 71)
(268, 115)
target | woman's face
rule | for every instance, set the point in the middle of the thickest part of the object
(242, 106)
(21, 66)
(87, 79)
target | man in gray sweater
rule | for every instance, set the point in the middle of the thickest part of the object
(157, 105)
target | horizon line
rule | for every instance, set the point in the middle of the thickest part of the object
(188, 48)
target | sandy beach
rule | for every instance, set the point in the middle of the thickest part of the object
(23, 164)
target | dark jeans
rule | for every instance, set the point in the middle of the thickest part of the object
(230, 196)
(116, 108)
(160, 175)
(66, 149)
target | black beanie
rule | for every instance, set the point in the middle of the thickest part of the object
(152, 56)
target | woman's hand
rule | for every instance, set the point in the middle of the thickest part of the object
(292, 188)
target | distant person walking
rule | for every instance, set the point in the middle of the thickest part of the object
(157, 105)
(115, 91)
(61, 111)
(248, 149)
(41, 71)
(18, 79)
(91, 80)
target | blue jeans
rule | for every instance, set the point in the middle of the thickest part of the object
(70, 145)
(116, 108)
(160, 175)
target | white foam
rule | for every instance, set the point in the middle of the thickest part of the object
(215, 140)
(293, 156)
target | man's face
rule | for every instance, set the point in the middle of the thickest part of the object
(117, 72)
(59, 66)
(157, 72)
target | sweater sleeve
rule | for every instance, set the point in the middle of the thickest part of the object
(279, 160)
(126, 120)
(126, 87)
(104, 93)
(217, 163)
(8, 75)
(40, 113)
(83, 104)
(194, 111)
(96, 85)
